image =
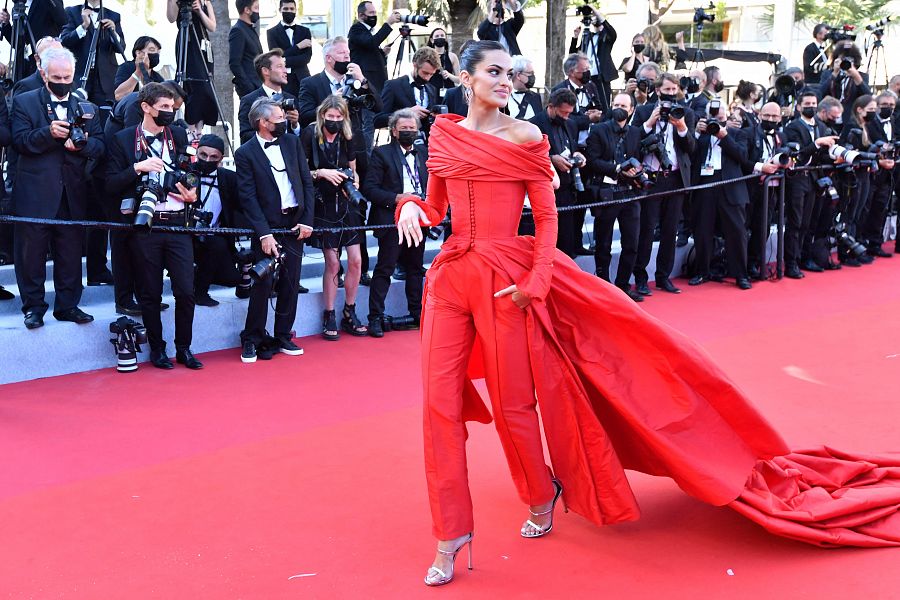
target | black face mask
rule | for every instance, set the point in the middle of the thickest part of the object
(558, 120)
(440, 42)
(619, 115)
(885, 112)
(164, 118)
(869, 116)
(808, 111)
(254, 17)
(371, 21)
(667, 97)
(638, 48)
(585, 77)
(153, 57)
(769, 126)
(529, 83)
(406, 138)
(280, 129)
(333, 126)
(718, 87)
(60, 90)
(206, 167)
(693, 87)
(288, 17)
(341, 66)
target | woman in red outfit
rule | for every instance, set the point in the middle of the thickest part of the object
(617, 388)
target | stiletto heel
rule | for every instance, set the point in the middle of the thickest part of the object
(435, 577)
(538, 530)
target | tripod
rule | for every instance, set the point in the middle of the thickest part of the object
(876, 55)
(20, 25)
(188, 34)
(405, 50)
(698, 59)
(91, 61)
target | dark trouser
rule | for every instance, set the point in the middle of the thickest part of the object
(31, 244)
(852, 206)
(215, 263)
(362, 166)
(605, 89)
(798, 208)
(629, 217)
(390, 252)
(708, 204)
(566, 236)
(817, 206)
(665, 212)
(286, 292)
(123, 267)
(872, 229)
(759, 215)
(577, 222)
(97, 240)
(173, 252)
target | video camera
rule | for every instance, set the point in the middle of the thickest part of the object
(129, 335)
(840, 34)
(640, 181)
(652, 146)
(700, 16)
(353, 195)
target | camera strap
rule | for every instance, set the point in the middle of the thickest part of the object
(209, 188)
(412, 173)
(143, 148)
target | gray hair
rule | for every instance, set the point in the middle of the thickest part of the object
(331, 43)
(572, 61)
(647, 66)
(57, 54)
(262, 108)
(886, 94)
(520, 63)
(403, 113)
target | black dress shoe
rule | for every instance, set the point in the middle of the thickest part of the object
(104, 278)
(159, 360)
(163, 306)
(744, 283)
(376, 327)
(666, 285)
(643, 289)
(365, 280)
(879, 252)
(794, 272)
(698, 280)
(185, 357)
(634, 295)
(851, 262)
(866, 259)
(681, 240)
(811, 266)
(34, 319)
(405, 323)
(132, 309)
(300, 290)
(74, 315)
(582, 251)
(832, 266)
(5, 294)
(205, 300)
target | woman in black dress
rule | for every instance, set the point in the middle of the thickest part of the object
(449, 60)
(329, 148)
(200, 105)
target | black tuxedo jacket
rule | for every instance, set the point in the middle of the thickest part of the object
(796, 131)
(877, 132)
(45, 168)
(5, 139)
(602, 51)
(243, 47)
(399, 93)
(365, 51)
(542, 120)
(227, 180)
(734, 156)
(106, 65)
(684, 146)
(530, 98)
(121, 179)
(297, 60)
(258, 193)
(510, 29)
(46, 18)
(27, 84)
(812, 64)
(755, 143)
(601, 147)
(456, 102)
(245, 128)
(384, 180)
(313, 90)
(590, 89)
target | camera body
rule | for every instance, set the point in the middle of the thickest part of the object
(652, 145)
(356, 100)
(644, 84)
(269, 266)
(640, 180)
(846, 63)
(288, 104)
(783, 156)
(670, 109)
(129, 335)
(81, 114)
(151, 191)
(701, 16)
(353, 195)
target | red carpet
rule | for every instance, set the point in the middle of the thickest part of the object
(302, 477)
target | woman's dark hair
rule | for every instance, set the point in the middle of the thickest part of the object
(431, 36)
(152, 92)
(853, 51)
(744, 89)
(861, 102)
(141, 43)
(474, 54)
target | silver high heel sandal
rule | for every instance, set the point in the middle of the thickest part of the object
(536, 530)
(436, 577)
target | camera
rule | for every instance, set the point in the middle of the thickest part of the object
(851, 156)
(82, 113)
(357, 100)
(640, 180)
(884, 150)
(129, 335)
(784, 156)
(270, 266)
(644, 84)
(288, 104)
(713, 127)
(842, 33)
(575, 172)
(669, 109)
(827, 184)
(587, 14)
(691, 85)
(433, 112)
(199, 219)
(877, 28)
(846, 63)
(353, 194)
(152, 191)
(420, 20)
(700, 15)
(651, 145)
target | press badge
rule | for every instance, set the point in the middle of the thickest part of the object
(707, 170)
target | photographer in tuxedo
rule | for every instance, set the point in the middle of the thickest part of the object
(270, 67)
(815, 58)
(296, 42)
(46, 18)
(396, 169)
(51, 183)
(77, 34)
(275, 191)
(597, 43)
(495, 27)
(365, 44)
(881, 128)
(141, 160)
(200, 106)
(523, 103)
(244, 46)
(610, 145)
(413, 91)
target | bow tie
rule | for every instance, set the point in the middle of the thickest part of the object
(277, 96)
(154, 138)
(409, 152)
(56, 104)
(275, 142)
(291, 27)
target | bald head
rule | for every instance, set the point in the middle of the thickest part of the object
(770, 109)
(699, 76)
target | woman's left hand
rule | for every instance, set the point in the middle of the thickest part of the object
(518, 298)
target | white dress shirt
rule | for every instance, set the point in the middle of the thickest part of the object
(409, 186)
(61, 110)
(95, 16)
(279, 172)
(208, 194)
(161, 150)
(515, 103)
(888, 129)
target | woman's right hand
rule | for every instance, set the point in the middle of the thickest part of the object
(332, 176)
(409, 228)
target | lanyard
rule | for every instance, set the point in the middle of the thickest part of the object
(412, 173)
(209, 188)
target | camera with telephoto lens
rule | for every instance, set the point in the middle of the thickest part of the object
(79, 117)
(827, 184)
(244, 260)
(355, 98)
(841, 34)
(575, 172)
(269, 266)
(152, 192)
(884, 150)
(129, 335)
(840, 237)
(652, 146)
(670, 109)
(851, 157)
(353, 195)
(420, 20)
(700, 16)
(783, 156)
(639, 180)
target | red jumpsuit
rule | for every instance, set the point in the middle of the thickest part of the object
(616, 388)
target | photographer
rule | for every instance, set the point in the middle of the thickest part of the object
(667, 130)
(562, 134)
(77, 35)
(244, 46)
(54, 142)
(843, 80)
(296, 42)
(815, 58)
(200, 105)
(588, 108)
(719, 155)
(365, 43)
(801, 191)
(275, 190)
(495, 28)
(610, 145)
(397, 169)
(145, 177)
(413, 91)
(523, 103)
(46, 18)
(631, 64)
(329, 149)
(712, 87)
(217, 206)
(35, 81)
(272, 71)
(135, 74)
(127, 111)
(643, 87)
(881, 129)
(597, 44)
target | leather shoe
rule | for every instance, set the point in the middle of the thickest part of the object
(744, 283)
(186, 357)
(634, 295)
(851, 262)
(5, 294)
(104, 278)
(666, 285)
(811, 266)
(74, 315)
(405, 323)
(643, 289)
(132, 309)
(832, 266)
(698, 280)
(205, 300)
(879, 252)
(866, 259)
(163, 306)
(300, 290)
(794, 272)
(376, 327)
(365, 280)
(159, 360)
(34, 319)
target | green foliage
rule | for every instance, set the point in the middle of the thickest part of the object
(838, 12)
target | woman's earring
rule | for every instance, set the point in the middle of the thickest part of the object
(467, 93)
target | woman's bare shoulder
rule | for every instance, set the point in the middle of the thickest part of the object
(521, 132)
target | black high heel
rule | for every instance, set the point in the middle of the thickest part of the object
(542, 531)
(329, 324)
(351, 323)
(436, 577)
